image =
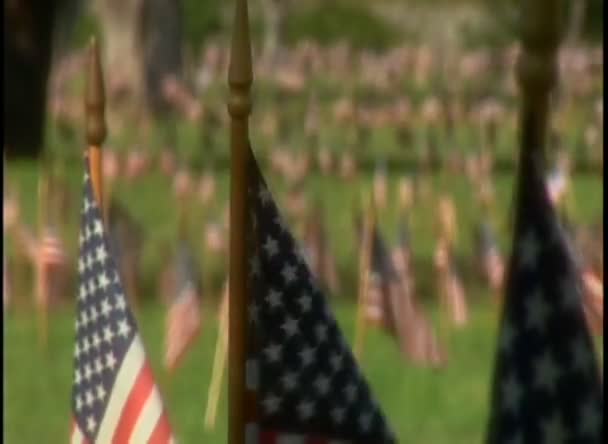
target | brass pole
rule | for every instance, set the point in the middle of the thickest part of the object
(537, 74)
(95, 119)
(240, 78)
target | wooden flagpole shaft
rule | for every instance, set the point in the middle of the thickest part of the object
(95, 119)
(219, 362)
(42, 302)
(240, 78)
(364, 273)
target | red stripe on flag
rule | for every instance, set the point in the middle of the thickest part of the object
(133, 407)
(162, 431)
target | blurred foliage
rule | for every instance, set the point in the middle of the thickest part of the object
(201, 20)
(329, 22)
(340, 20)
(84, 28)
(503, 24)
(594, 25)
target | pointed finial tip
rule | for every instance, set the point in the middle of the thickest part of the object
(95, 97)
(541, 32)
(240, 73)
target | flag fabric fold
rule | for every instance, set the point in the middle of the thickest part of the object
(303, 383)
(114, 395)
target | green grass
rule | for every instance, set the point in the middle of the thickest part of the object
(423, 406)
(443, 406)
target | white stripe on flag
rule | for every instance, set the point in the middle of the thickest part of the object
(251, 433)
(77, 436)
(125, 380)
(148, 418)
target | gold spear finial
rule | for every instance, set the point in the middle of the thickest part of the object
(537, 73)
(95, 98)
(240, 73)
(95, 119)
(540, 34)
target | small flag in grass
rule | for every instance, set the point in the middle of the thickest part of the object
(184, 316)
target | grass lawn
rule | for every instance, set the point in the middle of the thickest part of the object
(446, 406)
(423, 406)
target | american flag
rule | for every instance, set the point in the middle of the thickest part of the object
(302, 379)
(489, 255)
(317, 252)
(52, 251)
(418, 337)
(52, 260)
(184, 315)
(452, 292)
(114, 395)
(547, 385)
(384, 285)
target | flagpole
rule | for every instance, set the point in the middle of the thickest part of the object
(95, 119)
(240, 78)
(219, 362)
(537, 73)
(42, 289)
(364, 273)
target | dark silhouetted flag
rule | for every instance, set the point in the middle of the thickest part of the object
(547, 386)
(302, 379)
(114, 395)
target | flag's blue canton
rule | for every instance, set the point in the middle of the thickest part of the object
(308, 380)
(547, 386)
(105, 327)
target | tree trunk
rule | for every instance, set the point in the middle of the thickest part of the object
(27, 55)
